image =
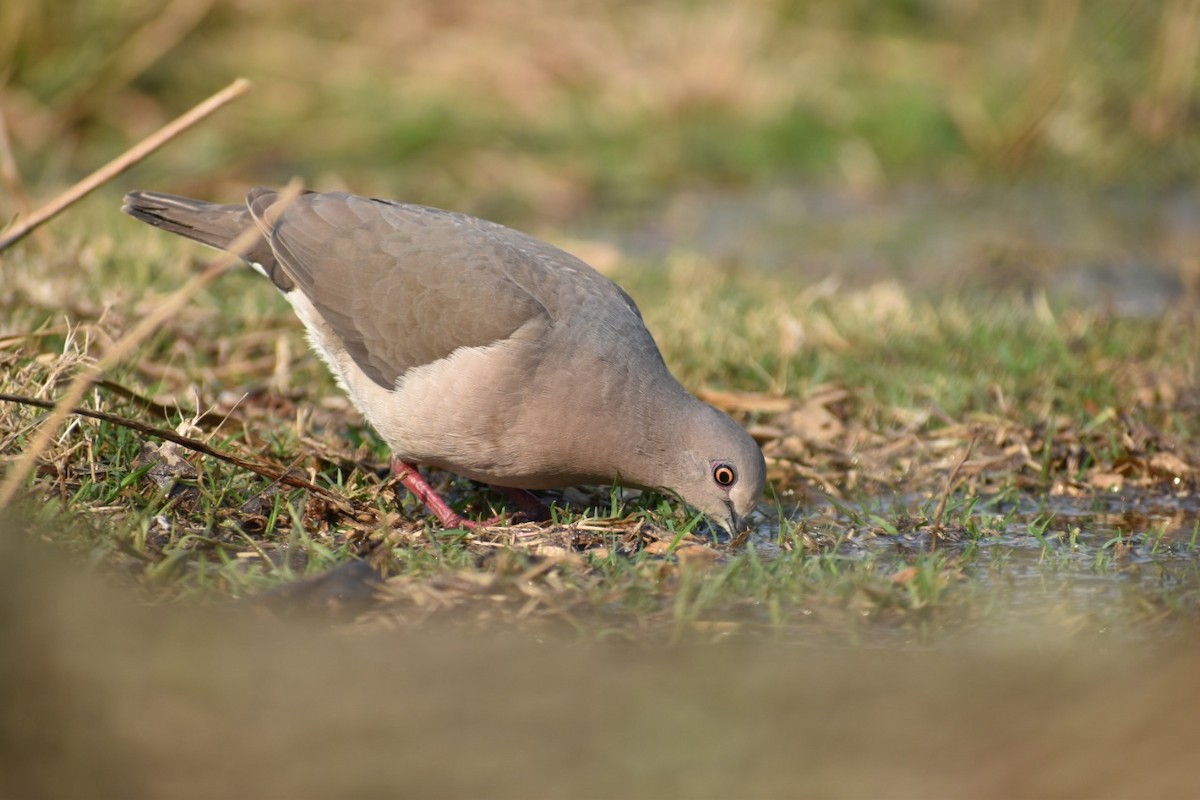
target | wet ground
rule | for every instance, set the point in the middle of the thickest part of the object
(1131, 252)
(1066, 550)
(1117, 554)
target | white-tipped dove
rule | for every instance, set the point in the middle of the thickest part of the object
(480, 350)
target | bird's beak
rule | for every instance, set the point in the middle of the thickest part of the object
(733, 524)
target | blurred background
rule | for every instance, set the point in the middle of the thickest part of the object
(934, 139)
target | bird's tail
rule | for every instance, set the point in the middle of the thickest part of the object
(208, 223)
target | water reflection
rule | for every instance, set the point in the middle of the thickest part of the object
(1028, 552)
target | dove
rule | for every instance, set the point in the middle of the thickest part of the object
(477, 349)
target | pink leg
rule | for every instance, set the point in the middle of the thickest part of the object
(415, 483)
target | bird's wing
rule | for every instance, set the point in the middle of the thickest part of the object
(405, 285)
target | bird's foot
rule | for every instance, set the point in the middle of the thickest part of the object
(412, 479)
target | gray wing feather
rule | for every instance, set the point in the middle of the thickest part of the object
(404, 285)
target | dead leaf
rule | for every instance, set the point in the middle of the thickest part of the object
(744, 402)
(659, 547)
(815, 423)
(1168, 465)
(167, 463)
(170, 471)
(697, 554)
(1107, 481)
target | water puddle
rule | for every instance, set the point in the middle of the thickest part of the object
(1028, 555)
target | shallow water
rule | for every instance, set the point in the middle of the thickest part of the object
(1103, 555)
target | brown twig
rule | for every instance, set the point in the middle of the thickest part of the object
(122, 162)
(125, 345)
(154, 407)
(184, 441)
(951, 481)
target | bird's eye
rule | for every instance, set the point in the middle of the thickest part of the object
(724, 474)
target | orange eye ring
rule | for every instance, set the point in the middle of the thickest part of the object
(724, 474)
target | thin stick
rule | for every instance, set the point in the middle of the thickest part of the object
(185, 441)
(169, 307)
(122, 162)
(950, 482)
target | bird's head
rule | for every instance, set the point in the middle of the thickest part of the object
(723, 472)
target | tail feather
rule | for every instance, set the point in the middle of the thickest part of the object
(208, 223)
(211, 224)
